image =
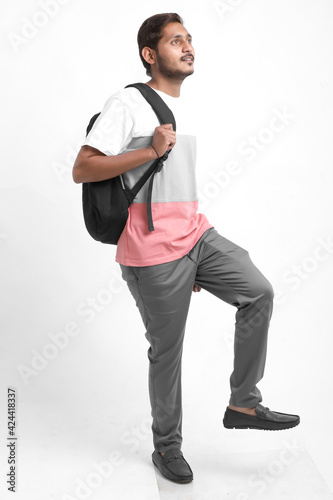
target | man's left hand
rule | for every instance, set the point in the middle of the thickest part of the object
(196, 288)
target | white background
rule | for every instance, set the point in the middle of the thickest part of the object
(254, 58)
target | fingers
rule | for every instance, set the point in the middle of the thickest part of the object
(164, 138)
(171, 134)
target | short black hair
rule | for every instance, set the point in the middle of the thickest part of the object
(150, 32)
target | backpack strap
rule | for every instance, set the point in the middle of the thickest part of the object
(163, 112)
(165, 115)
(91, 123)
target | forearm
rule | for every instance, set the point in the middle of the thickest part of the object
(90, 167)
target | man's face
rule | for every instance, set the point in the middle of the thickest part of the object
(173, 48)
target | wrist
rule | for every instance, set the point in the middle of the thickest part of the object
(155, 151)
(150, 153)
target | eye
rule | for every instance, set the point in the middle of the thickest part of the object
(177, 40)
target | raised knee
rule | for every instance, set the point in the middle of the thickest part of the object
(268, 291)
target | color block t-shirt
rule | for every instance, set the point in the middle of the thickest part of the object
(126, 123)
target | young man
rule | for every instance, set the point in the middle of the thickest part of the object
(184, 252)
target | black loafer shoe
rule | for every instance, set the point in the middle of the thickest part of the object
(173, 466)
(265, 419)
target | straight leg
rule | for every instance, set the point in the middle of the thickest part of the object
(162, 293)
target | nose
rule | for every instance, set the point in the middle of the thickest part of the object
(187, 47)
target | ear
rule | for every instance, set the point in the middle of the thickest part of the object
(149, 55)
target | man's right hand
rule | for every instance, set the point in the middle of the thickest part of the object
(164, 138)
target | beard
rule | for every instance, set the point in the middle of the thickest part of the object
(171, 73)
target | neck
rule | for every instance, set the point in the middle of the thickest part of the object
(170, 87)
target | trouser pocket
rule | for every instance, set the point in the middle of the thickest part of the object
(130, 273)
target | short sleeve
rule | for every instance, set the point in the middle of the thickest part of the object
(112, 130)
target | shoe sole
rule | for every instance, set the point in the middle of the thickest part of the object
(272, 427)
(172, 478)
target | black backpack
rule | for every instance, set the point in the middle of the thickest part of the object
(105, 203)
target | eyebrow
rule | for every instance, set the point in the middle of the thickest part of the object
(179, 36)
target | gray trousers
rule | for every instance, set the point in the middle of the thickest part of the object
(163, 292)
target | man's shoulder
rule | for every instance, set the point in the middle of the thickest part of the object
(130, 97)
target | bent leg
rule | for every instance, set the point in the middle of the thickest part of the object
(226, 270)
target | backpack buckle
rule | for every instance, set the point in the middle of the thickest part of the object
(161, 161)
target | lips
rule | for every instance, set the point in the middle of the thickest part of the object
(188, 59)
